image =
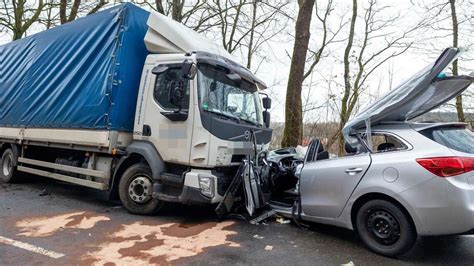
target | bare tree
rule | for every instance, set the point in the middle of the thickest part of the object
(17, 16)
(193, 14)
(293, 110)
(362, 57)
(76, 7)
(454, 18)
(447, 21)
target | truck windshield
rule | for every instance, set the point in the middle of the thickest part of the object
(220, 95)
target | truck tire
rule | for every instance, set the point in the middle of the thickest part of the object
(136, 189)
(385, 228)
(8, 170)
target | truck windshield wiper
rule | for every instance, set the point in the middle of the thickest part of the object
(226, 116)
(251, 122)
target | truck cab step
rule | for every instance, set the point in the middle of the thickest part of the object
(172, 179)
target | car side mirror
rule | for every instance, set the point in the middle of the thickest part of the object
(176, 94)
(267, 103)
(266, 118)
(188, 69)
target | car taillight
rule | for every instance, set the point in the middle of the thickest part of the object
(447, 166)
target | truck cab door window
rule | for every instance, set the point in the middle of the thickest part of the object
(164, 84)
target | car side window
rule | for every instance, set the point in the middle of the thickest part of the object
(382, 142)
(164, 83)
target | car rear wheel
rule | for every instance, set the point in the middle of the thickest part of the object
(385, 228)
(136, 188)
(8, 171)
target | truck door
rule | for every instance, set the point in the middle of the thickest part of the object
(326, 185)
(170, 134)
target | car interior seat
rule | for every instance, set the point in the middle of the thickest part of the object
(350, 150)
(385, 147)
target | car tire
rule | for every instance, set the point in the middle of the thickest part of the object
(385, 228)
(8, 172)
(136, 188)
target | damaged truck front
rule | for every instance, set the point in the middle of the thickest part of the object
(131, 103)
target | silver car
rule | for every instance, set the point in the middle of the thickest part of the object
(399, 179)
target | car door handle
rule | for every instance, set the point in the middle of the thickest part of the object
(353, 171)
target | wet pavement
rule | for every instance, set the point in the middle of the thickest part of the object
(75, 225)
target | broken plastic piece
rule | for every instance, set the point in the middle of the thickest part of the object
(268, 248)
(282, 220)
(263, 217)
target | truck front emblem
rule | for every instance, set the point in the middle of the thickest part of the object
(247, 135)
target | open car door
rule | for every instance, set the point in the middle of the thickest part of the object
(421, 93)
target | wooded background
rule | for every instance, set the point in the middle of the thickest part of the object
(323, 60)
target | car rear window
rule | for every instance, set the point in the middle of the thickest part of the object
(453, 137)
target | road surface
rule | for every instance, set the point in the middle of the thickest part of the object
(76, 225)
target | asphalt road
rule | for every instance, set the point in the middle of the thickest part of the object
(74, 225)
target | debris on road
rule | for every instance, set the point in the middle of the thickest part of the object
(263, 217)
(44, 192)
(258, 237)
(282, 220)
(268, 248)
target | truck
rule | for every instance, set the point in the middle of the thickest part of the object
(131, 103)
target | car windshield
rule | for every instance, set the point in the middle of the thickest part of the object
(228, 98)
(453, 137)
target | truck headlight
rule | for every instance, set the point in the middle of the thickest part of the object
(206, 185)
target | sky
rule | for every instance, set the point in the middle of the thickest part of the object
(274, 69)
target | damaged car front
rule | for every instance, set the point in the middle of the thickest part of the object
(398, 179)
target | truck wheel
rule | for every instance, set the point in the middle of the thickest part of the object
(136, 189)
(7, 167)
(385, 228)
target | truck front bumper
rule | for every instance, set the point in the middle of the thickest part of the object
(201, 187)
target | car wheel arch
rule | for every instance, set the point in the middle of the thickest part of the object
(361, 200)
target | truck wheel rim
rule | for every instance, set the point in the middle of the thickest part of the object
(7, 165)
(140, 189)
(383, 227)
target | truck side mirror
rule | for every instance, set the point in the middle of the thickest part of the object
(188, 69)
(267, 103)
(176, 93)
(266, 118)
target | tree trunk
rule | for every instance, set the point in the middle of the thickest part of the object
(459, 103)
(293, 110)
(344, 115)
(177, 10)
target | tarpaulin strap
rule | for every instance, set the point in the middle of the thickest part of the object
(112, 81)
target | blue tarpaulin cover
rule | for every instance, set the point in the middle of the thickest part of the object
(83, 74)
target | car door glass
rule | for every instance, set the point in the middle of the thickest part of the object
(164, 83)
